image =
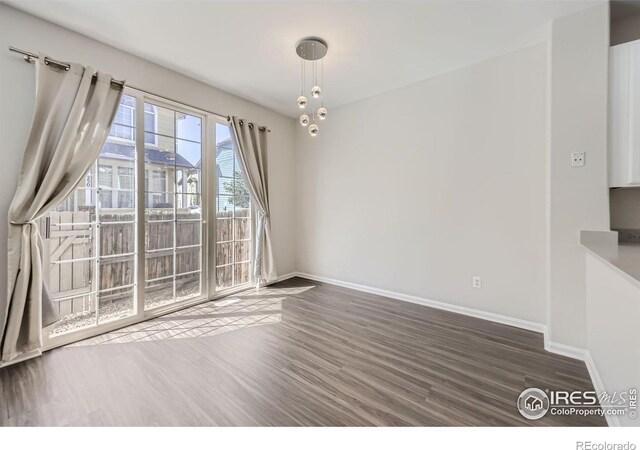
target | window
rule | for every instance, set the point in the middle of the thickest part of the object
(105, 184)
(115, 192)
(159, 181)
(159, 198)
(126, 178)
(123, 123)
(104, 268)
(126, 187)
(150, 124)
(234, 234)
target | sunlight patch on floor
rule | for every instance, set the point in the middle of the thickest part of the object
(209, 319)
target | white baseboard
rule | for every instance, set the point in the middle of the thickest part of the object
(599, 387)
(582, 355)
(505, 320)
(284, 277)
(287, 276)
(553, 347)
(564, 350)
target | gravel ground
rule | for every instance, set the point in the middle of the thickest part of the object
(118, 309)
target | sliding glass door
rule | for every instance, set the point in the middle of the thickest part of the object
(173, 206)
(162, 220)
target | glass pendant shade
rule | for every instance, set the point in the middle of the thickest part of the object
(311, 51)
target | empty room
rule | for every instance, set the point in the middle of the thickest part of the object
(322, 214)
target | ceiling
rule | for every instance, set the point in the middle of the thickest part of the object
(248, 48)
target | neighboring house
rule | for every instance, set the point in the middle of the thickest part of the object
(166, 171)
(116, 172)
(227, 168)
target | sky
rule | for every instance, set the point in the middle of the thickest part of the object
(190, 128)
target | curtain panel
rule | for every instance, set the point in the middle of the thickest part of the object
(73, 114)
(251, 147)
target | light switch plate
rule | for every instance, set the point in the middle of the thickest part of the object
(577, 159)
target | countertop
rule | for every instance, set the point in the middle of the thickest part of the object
(624, 257)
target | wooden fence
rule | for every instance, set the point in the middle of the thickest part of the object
(72, 242)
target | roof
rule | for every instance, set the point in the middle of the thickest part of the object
(226, 144)
(153, 156)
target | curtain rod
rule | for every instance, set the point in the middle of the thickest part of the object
(31, 57)
(251, 125)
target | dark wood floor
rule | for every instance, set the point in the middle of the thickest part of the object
(296, 353)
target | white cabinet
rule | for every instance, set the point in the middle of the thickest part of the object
(624, 115)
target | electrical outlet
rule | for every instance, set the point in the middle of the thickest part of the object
(577, 159)
(476, 282)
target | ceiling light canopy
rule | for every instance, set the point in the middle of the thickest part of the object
(312, 49)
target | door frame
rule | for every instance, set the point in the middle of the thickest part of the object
(208, 228)
(219, 293)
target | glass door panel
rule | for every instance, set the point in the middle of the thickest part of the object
(173, 206)
(234, 225)
(90, 239)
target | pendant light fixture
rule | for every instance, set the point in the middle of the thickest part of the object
(312, 49)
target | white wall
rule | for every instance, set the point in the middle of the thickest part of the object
(614, 341)
(418, 189)
(17, 94)
(577, 197)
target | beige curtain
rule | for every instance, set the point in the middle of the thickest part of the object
(251, 146)
(73, 112)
